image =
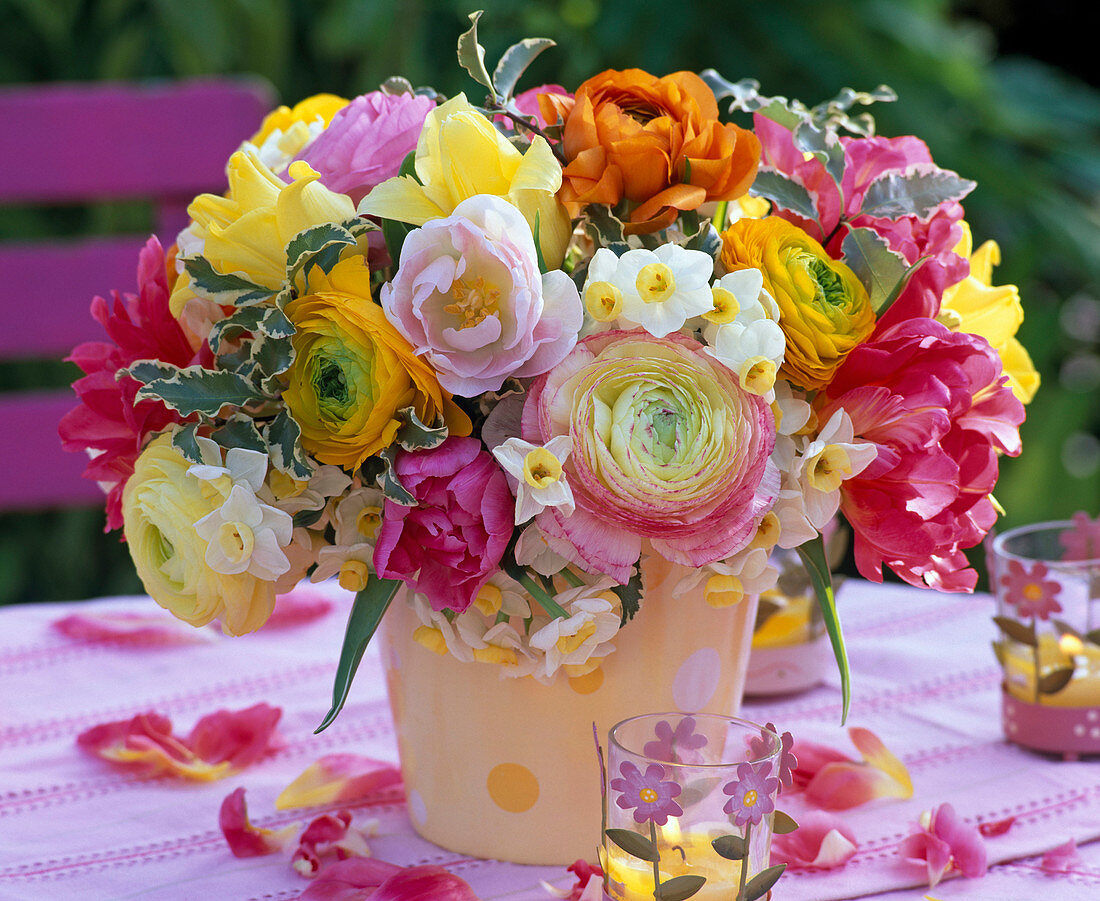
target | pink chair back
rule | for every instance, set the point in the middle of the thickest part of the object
(163, 142)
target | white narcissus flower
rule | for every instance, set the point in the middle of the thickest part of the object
(743, 331)
(296, 497)
(595, 615)
(537, 471)
(730, 581)
(658, 290)
(533, 550)
(244, 535)
(358, 516)
(241, 466)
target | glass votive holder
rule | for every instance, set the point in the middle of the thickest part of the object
(1046, 578)
(690, 801)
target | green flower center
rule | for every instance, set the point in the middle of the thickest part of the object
(830, 288)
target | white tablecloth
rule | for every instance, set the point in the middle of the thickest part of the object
(72, 827)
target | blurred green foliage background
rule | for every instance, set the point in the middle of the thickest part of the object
(969, 74)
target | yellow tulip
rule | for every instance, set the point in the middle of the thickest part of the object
(995, 313)
(460, 154)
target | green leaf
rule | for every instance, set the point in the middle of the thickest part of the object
(514, 63)
(605, 228)
(879, 268)
(761, 883)
(679, 887)
(308, 248)
(415, 435)
(812, 554)
(283, 438)
(303, 519)
(471, 55)
(783, 823)
(823, 144)
(918, 191)
(706, 240)
(380, 470)
(146, 371)
(1017, 631)
(272, 355)
(184, 441)
(1054, 681)
(784, 192)
(240, 431)
(630, 595)
(543, 268)
(633, 844)
(397, 84)
(731, 847)
(246, 319)
(900, 286)
(228, 290)
(366, 613)
(275, 324)
(198, 390)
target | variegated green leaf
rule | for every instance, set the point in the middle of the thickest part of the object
(183, 440)
(380, 470)
(471, 55)
(630, 595)
(415, 435)
(919, 191)
(360, 226)
(227, 290)
(239, 431)
(275, 323)
(284, 447)
(273, 355)
(824, 144)
(198, 390)
(246, 319)
(783, 192)
(320, 245)
(879, 268)
(146, 371)
(514, 63)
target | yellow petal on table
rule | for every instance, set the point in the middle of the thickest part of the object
(335, 778)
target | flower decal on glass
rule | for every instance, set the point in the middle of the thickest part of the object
(785, 767)
(751, 793)
(1028, 589)
(683, 738)
(1082, 540)
(650, 794)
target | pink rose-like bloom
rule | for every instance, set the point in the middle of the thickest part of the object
(866, 159)
(469, 297)
(667, 447)
(367, 141)
(936, 404)
(452, 541)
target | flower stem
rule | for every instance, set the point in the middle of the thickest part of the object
(744, 864)
(1035, 656)
(572, 578)
(720, 215)
(657, 862)
(539, 594)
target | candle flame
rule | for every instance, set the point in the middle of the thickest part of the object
(671, 832)
(1070, 645)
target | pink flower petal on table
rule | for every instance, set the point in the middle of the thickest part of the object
(296, 608)
(328, 835)
(996, 827)
(933, 852)
(144, 744)
(840, 784)
(424, 884)
(144, 629)
(944, 841)
(244, 839)
(822, 840)
(588, 887)
(238, 738)
(349, 880)
(337, 778)
(1061, 859)
(812, 757)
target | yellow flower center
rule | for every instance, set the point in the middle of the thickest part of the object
(603, 301)
(725, 309)
(757, 375)
(497, 655)
(1033, 591)
(283, 486)
(353, 575)
(488, 599)
(541, 468)
(655, 283)
(723, 591)
(368, 521)
(235, 540)
(473, 302)
(567, 644)
(767, 533)
(750, 798)
(949, 319)
(827, 471)
(430, 638)
(647, 796)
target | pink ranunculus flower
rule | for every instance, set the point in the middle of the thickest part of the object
(452, 541)
(367, 141)
(470, 298)
(866, 159)
(667, 447)
(936, 404)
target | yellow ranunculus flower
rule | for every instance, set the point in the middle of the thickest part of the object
(246, 231)
(995, 313)
(160, 506)
(353, 371)
(824, 310)
(461, 154)
(291, 128)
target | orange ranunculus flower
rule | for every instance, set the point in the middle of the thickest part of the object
(656, 142)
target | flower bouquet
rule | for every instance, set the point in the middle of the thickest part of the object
(502, 355)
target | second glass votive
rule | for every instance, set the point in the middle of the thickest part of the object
(689, 798)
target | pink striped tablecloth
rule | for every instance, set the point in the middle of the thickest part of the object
(71, 827)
